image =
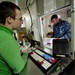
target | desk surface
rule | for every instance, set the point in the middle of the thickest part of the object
(32, 69)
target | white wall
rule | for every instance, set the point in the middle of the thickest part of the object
(35, 27)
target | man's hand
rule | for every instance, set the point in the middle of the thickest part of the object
(49, 36)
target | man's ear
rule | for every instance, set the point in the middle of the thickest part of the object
(9, 20)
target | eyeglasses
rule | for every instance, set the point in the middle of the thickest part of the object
(21, 19)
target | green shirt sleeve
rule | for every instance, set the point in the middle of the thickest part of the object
(11, 55)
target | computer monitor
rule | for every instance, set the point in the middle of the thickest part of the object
(61, 47)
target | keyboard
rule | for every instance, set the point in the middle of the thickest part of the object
(43, 60)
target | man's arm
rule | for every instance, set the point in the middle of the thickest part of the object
(11, 55)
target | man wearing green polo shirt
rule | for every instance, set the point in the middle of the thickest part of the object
(10, 57)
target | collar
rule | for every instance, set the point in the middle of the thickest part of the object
(3, 28)
(59, 23)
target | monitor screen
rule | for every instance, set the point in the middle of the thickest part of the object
(61, 47)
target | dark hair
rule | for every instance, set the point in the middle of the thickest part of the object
(54, 16)
(7, 9)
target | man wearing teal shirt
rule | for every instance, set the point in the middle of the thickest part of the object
(10, 57)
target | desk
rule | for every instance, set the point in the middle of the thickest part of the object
(32, 69)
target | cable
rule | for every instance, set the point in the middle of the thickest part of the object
(29, 14)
